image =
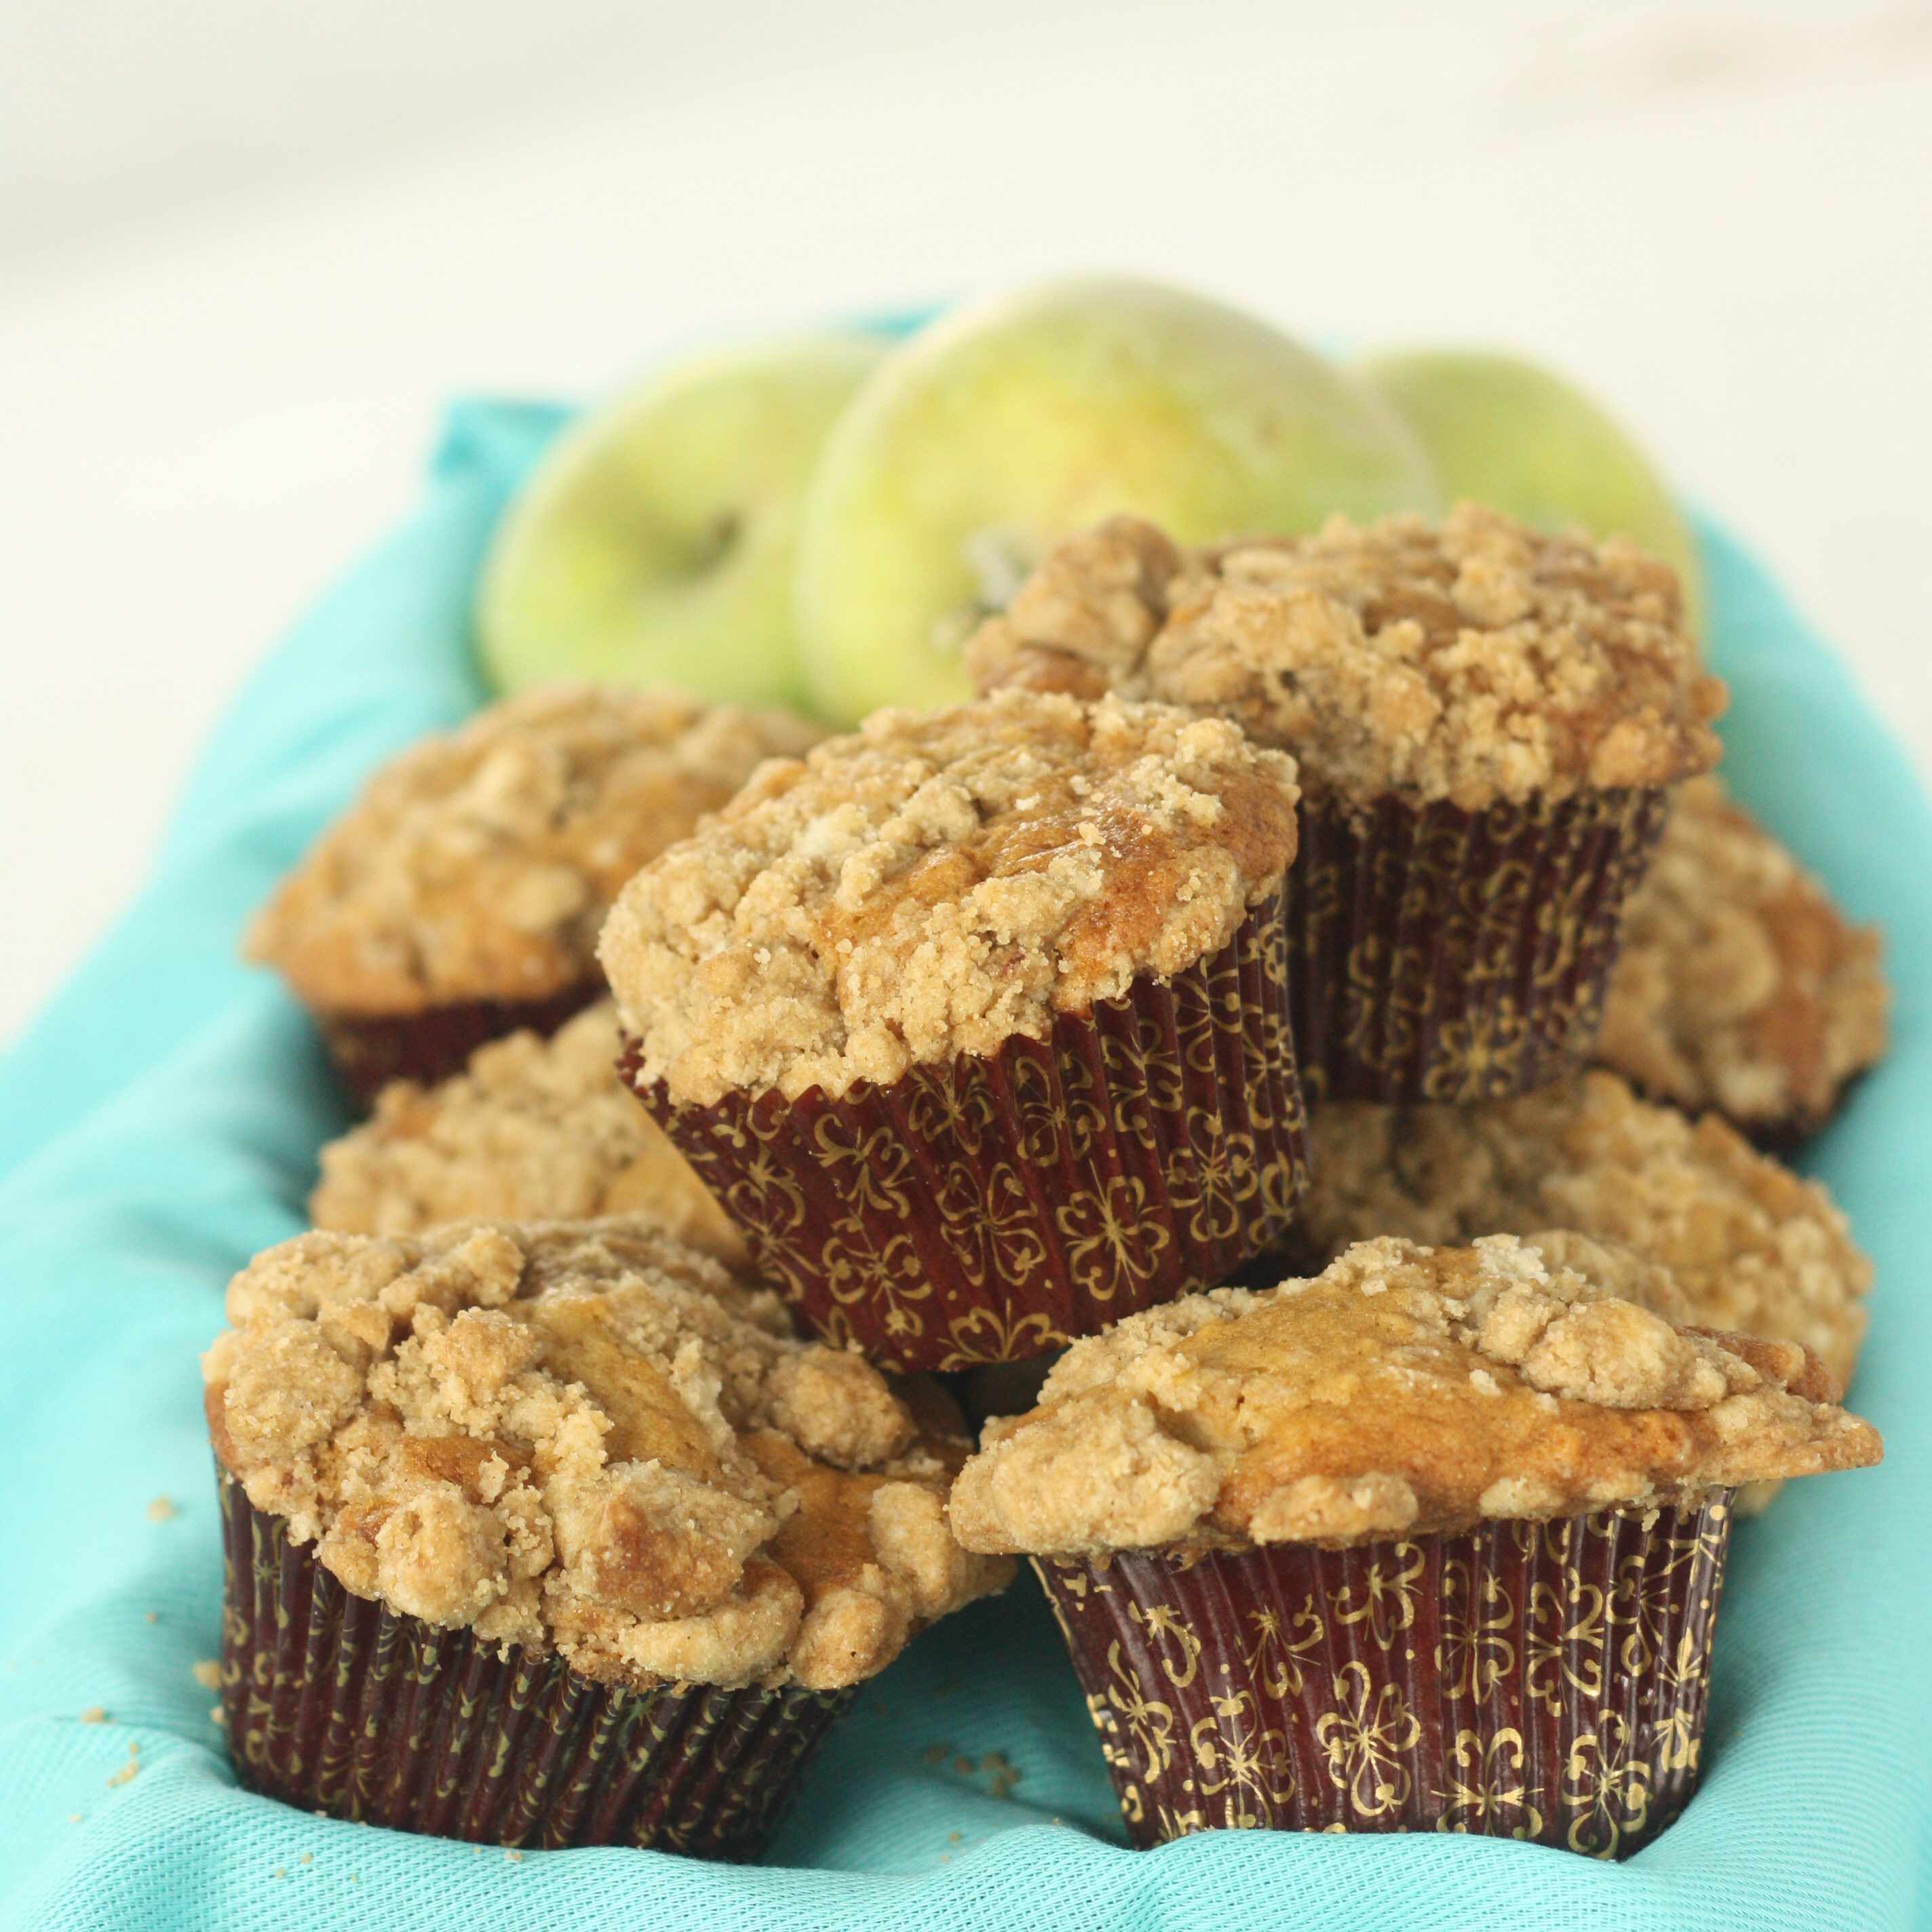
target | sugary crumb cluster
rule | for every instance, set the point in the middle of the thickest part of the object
(479, 864)
(1474, 661)
(1405, 1390)
(1741, 986)
(533, 1130)
(933, 885)
(589, 1439)
(1752, 1247)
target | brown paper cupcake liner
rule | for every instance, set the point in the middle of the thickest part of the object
(1543, 1681)
(370, 1050)
(335, 1704)
(992, 1209)
(1441, 954)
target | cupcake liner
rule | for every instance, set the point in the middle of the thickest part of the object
(1441, 954)
(369, 1050)
(338, 1705)
(1538, 1680)
(992, 1209)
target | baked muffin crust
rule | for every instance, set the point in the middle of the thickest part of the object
(932, 885)
(1741, 985)
(533, 1130)
(592, 1440)
(1475, 661)
(1753, 1247)
(479, 864)
(1404, 1390)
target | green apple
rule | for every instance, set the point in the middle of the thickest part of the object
(653, 543)
(1005, 425)
(1513, 436)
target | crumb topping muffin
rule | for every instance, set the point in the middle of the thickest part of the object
(1741, 985)
(1405, 1390)
(534, 1130)
(1476, 661)
(1752, 1245)
(479, 864)
(590, 1441)
(934, 885)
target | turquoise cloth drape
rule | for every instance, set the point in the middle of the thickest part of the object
(159, 1122)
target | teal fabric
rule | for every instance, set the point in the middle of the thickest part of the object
(159, 1124)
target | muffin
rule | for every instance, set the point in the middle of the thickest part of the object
(1487, 721)
(1741, 986)
(459, 898)
(1431, 1541)
(532, 1129)
(1752, 1247)
(557, 1535)
(976, 1022)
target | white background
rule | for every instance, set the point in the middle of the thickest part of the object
(247, 246)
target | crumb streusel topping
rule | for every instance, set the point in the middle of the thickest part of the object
(533, 1130)
(1741, 985)
(592, 1440)
(931, 885)
(1753, 1247)
(479, 864)
(1474, 661)
(1404, 1390)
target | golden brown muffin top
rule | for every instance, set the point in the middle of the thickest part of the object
(589, 1439)
(1404, 1390)
(479, 864)
(532, 1129)
(1741, 986)
(1476, 660)
(1753, 1247)
(932, 885)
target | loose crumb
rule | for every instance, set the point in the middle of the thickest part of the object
(94, 1715)
(160, 1509)
(208, 1672)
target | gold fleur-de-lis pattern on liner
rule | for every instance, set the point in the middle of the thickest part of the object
(1406, 1682)
(993, 1208)
(1446, 956)
(1367, 1739)
(1383, 1599)
(1477, 1651)
(340, 1705)
(1485, 1792)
